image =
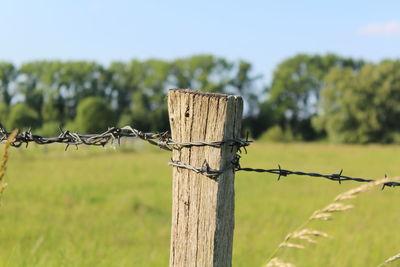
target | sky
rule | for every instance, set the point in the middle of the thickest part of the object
(261, 32)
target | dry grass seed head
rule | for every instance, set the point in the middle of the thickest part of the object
(326, 213)
(4, 159)
(353, 193)
(390, 260)
(307, 234)
(336, 207)
(311, 232)
(275, 262)
(319, 215)
(290, 245)
(3, 186)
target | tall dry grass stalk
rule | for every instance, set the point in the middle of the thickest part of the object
(302, 233)
(390, 260)
(4, 159)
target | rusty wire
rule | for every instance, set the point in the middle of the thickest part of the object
(164, 141)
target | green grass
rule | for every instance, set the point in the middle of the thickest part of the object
(96, 207)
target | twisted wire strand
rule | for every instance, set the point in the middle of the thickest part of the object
(205, 169)
(333, 177)
(235, 166)
(113, 134)
(164, 141)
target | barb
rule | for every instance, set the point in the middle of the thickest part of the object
(205, 169)
(162, 140)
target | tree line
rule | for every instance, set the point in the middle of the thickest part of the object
(310, 97)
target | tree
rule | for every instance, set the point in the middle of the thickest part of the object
(29, 85)
(295, 89)
(140, 111)
(155, 87)
(141, 88)
(243, 83)
(79, 80)
(39, 82)
(22, 116)
(7, 75)
(94, 115)
(50, 111)
(201, 72)
(126, 78)
(361, 106)
(50, 128)
(257, 124)
(4, 109)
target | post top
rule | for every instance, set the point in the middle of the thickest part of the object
(201, 93)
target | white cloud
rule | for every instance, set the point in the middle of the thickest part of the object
(391, 28)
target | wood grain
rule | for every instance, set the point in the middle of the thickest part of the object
(203, 208)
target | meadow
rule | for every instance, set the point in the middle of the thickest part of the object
(106, 207)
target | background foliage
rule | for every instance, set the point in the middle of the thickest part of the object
(311, 97)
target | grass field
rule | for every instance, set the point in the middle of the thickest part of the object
(96, 207)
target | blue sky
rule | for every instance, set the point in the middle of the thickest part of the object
(262, 32)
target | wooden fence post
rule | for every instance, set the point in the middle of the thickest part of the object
(203, 208)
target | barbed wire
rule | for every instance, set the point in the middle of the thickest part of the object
(113, 134)
(333, 177)
(164, 141)
(206, 170)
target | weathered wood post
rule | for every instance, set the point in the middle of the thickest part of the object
(203, 208)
